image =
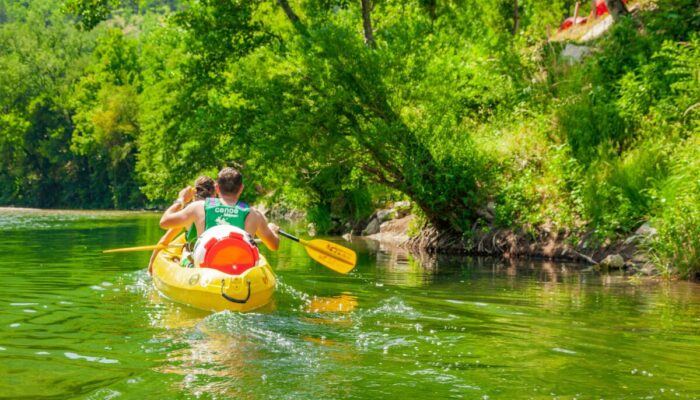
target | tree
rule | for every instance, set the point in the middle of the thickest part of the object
(106, 120)
(90, 12)
(38, 167)
(356, 123)
(186, 130)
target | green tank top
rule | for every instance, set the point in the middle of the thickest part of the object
(191, 234)
(216, 213)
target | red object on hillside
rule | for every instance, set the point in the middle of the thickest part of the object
(601, 8)
(569, 22)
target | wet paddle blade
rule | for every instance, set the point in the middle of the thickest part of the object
(332, 255)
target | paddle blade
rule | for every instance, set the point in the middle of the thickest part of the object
(332, 255)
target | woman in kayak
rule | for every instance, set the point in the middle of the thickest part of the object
(204, 187)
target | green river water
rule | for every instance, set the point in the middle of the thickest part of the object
(76, 323)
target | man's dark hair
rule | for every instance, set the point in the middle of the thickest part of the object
(229, 181)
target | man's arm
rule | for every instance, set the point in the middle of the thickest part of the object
(266, 232)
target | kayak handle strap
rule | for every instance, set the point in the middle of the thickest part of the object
(233, 299)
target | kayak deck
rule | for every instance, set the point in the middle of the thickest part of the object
(210, 289)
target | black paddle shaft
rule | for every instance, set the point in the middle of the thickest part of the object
(288, 236)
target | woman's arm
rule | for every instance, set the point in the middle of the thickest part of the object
(178, 215)
(165, 240)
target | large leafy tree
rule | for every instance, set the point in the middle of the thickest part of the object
(312, 94)
(395, 112)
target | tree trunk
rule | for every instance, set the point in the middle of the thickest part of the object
(288, 10)
(367, 22)
(594, 9)
(516, 19)
(617, 9)
(294, 18)
(432, 9)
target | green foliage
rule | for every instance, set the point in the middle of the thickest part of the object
(106, 120)
(614, 191)
(676, 247)
(591, 125)
(393, 114)
(38, 167)
(190, 125)
(623, 117)
(90, 12)
(69, 115)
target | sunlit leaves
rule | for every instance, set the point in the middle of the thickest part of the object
(90, 12)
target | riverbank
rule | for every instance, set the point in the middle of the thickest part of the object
(545, 243)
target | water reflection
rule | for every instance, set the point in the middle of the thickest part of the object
(167, 315)
(212, 362)
(333, 310)
(399, 267)
(343, 303)
(396, 266)
(231, 354)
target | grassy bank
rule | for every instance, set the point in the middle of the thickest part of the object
(597, 148)
(610, 142)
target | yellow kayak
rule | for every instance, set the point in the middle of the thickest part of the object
(211, 289)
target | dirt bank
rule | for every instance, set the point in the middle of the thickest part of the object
(545, 243)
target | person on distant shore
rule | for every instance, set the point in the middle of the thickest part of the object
(224, 210)
(204, 187)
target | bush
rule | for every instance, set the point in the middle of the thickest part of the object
(676, 247)
(615, 189)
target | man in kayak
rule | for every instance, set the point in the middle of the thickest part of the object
(225, 210)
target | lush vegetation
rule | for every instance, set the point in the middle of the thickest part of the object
(337, 108)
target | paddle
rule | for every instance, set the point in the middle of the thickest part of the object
(142, 248)
(332, 255)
